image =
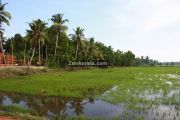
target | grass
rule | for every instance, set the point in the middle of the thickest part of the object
(22, 116)
(15, 108)
(130, 81)
(60, 83)
(19, 113)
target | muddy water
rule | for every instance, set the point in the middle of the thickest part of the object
(53, 107)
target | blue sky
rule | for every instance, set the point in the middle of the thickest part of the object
(146, 27)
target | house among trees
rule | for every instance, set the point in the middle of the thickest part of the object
(7, 60)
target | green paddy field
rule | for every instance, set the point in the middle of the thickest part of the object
(137, 88)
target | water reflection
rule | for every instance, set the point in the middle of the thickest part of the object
(8, 102)
(58, 107)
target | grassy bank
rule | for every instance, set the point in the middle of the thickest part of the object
(60, 83)
(19, 116)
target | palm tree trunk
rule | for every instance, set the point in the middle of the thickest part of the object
(4, 58)
(24, 53)
(77, 47)
(32, 56)
(12, 52)
(39, 52)
(46, 55)
(55, 52)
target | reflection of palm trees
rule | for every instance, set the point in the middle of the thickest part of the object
(78, 105)
(1, 98)
(60, 105)
(91, 100)
(57, 107)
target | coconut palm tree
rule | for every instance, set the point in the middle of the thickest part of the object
(4, 15)
(36, 35)
(58, 23)
(78, 38)
(4, 18)
(25, 39)
(92, 49)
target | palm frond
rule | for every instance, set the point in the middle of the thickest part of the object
(2, 6)
(5, 14)
(4, 19)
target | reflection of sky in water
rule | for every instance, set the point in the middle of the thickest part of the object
(8, 102)
(101, 109)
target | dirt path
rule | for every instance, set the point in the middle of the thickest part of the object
(7, 118)
(21, 67)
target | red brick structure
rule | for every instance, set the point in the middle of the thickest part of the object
(9, 60)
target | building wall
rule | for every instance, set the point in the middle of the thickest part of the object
(10, 60)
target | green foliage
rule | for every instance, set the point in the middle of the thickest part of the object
(145, 61)
(128, 58)
(78, 39)
(4, 15)
(18, 43)
(15, 108)
(36, 36)
(58, 25)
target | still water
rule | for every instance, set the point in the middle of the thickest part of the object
(53, 107)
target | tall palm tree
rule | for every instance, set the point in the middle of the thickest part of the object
(78, 38)
(25, 39)
(58, 23)
(4, 18)
(92, 49)
(36, 36)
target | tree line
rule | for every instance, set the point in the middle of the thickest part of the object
(50, 45)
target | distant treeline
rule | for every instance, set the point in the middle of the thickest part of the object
(169, 63)
(49, 44)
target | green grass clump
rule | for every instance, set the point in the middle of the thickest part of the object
(20, 113)
(15, 108)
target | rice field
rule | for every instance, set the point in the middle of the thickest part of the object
(143, 93)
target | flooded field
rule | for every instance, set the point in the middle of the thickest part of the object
(142, 95)
(54, 107)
